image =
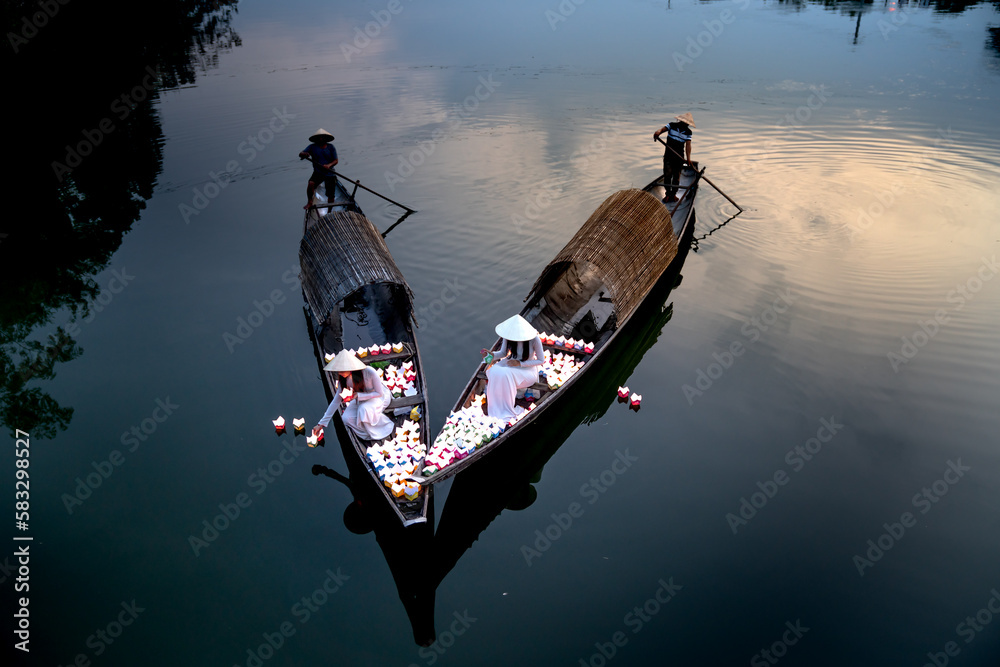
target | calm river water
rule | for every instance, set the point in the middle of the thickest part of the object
(813, 478)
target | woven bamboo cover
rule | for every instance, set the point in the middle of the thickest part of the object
(339, 255)
(630, 241)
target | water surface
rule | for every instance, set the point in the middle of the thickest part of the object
(858, 287)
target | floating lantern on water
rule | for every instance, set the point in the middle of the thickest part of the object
(623, 393)
(314, 440)
(300, 424)
(636, 400)
(279, 423)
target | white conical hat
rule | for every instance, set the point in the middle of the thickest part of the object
(345, 361)
(684, 118)
(516, 328)
(321, 133)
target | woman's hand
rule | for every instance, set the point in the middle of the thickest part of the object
(317, 429)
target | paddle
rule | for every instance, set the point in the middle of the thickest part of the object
(705, 178)
(358, 184)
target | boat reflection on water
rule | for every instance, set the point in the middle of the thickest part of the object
(407, 549)
(512, 471)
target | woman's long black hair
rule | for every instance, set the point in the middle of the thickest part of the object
(525, 349)
(358, 380)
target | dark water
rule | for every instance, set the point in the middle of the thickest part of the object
(857, 292)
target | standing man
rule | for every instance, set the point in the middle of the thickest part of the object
(324, 159)
(678, 144)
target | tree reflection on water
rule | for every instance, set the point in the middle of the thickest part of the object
(86, 145)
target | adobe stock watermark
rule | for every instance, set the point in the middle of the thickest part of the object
(60, 348)
(249, 148)
(929, 328)
(968, 630)
(103, 638)
(431, 654)
(797, 458)
(372, 30)
(592, 490)
(449, 294)
(562, 12)
(132, 439)
(897, 17)
(924, 500)
(30, 25)
(64, 340)
(635, 620)
(790, 121)
(706, 38)
(455, 119)
(888, 196)
(246, 326)
(122, 107)
(302, 611)
(116, 284)
(751, 329)
(779, 649)
(542, 197)
(259, 480)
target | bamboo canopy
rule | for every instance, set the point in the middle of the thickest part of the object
(629, 241)
(340, 254)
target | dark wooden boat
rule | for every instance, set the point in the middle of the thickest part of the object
(591, 290)
(356, 296)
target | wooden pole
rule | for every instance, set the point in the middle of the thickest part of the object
(703, 176)
(357, 184)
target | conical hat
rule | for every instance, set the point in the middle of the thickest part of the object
(516, 328)
(322, 135)
(686, 118)
(345, 361)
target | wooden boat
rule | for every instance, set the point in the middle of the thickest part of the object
(356, 297)
(589, 291)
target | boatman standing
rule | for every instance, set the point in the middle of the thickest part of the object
(324, 159)
(678, 151)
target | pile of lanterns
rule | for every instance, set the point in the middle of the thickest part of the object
(567, 343)
(560, 367)
(377, 350)
(401, 380)
(464, 431)
(397, 458)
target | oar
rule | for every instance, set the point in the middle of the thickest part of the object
(705, 178)
(396, 224)
(358, 184)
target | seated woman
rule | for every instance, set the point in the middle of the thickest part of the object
(364, 412)
(519, 371)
